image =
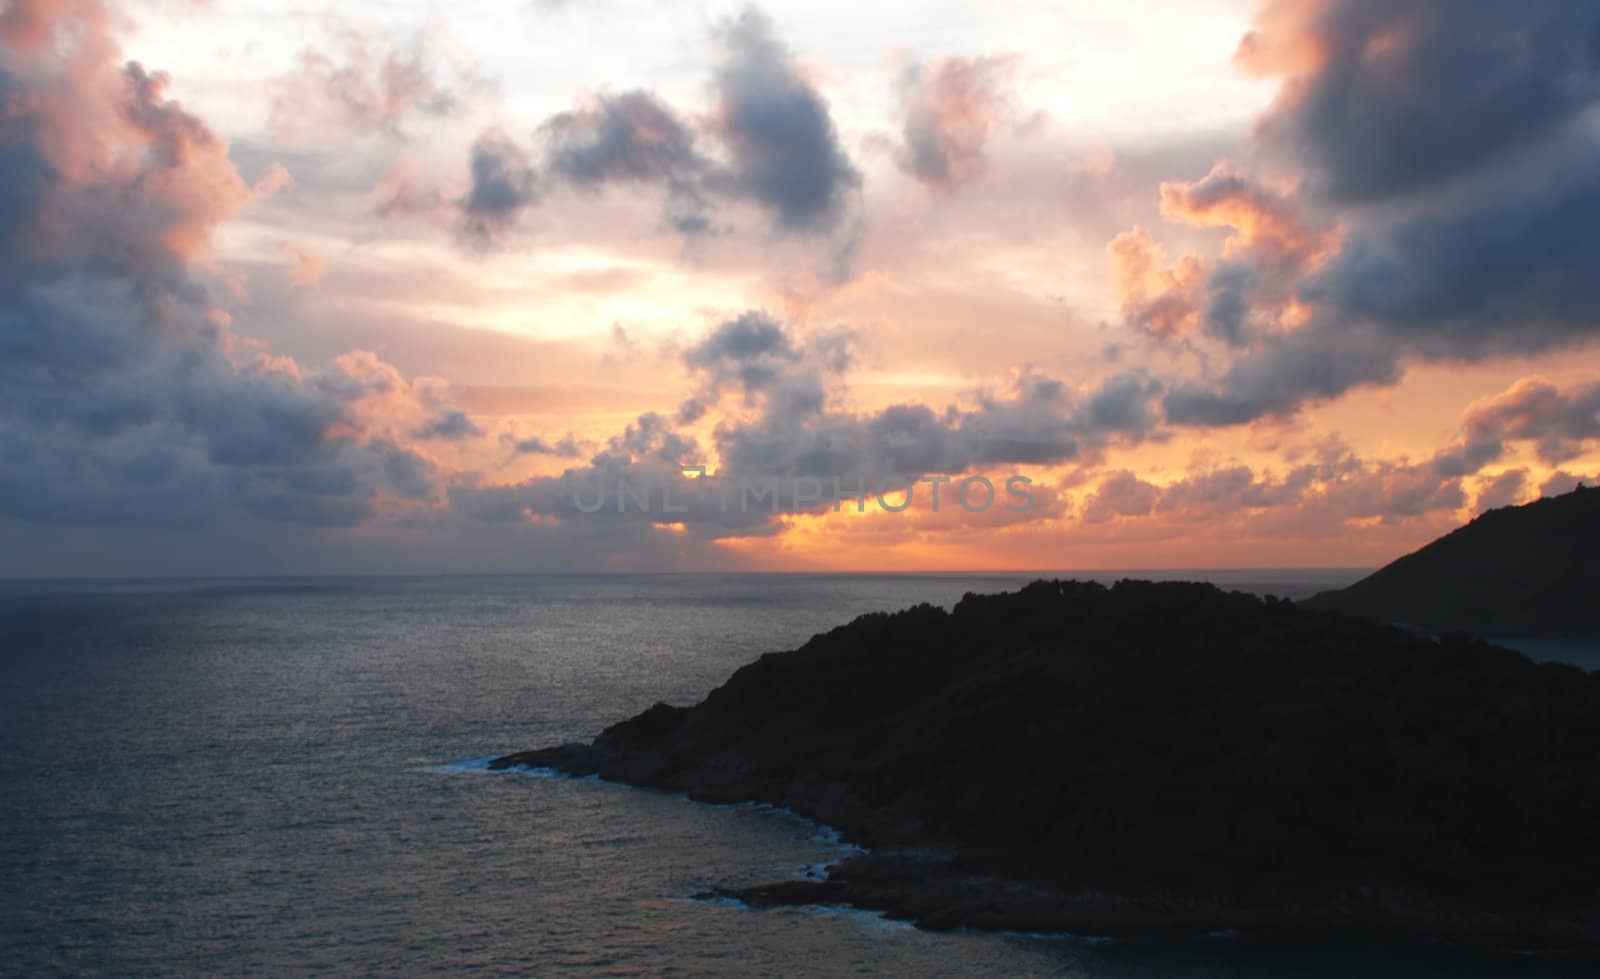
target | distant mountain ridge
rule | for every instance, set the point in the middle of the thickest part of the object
(1530, 571)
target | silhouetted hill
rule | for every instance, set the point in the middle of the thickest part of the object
(1155, 758)
(1529, 571)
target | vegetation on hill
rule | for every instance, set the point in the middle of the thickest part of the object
(1531, 571)
(1162, 738)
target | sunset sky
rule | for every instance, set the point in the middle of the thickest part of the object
(319, 287)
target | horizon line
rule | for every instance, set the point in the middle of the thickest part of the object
(398, 575)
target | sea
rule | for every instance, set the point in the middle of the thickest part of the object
(288, 777)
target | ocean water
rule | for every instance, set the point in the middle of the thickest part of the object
(286, 777)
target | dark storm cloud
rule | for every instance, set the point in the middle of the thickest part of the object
(1282, 373)
(1385, 98)
(1123, 405)
(124, 398)
(754, 355)
(1467, 120)
(503, 184)
(1467, 457)
(632, 136)
(450, 426)
(1033, 423)
(779, 150)
(751, 349)
(784, 151)
(566, 447)
(1505, 271)
(1509, 269)
(635, 138)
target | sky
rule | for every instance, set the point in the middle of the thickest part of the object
(396, 288)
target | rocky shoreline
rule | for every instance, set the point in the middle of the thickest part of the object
(1155, 760)
(936, 891)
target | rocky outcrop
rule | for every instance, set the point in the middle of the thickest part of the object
(1156, 758)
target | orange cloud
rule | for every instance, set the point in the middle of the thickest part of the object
(305, 268)
(27, 25)
(114, 142)
(1284, 41)
(1261, 219)
(1161, 299)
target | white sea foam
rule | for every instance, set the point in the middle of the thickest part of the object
(1060, 936)
(717, 901)
(873, 920)
(877, 921)
(815, 832)
(463, 765)
(481, 765)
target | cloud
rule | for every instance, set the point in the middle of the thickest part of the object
(1263, 221)
(787, 426)
(1564, 482)
(1122, 495)
(635, 138)
(1284, 372)
(305, 268)
(450, 426)
(783, 148)
(404, 190)
(1466, 120)
(362, 89)
(769, 141)
(127, 400)
(1158, 299)
(1384, 99)
(1250, 291)
(1504, 270)
(594, 499)
(631, 136)
(1467, 457)
(504, 183)
(752, 354)
(1123, 404)
(1036, 420)
(567, 447)
(1033, 423)
(1320, 498)
(1505, 489)
(1559, 422)
(29, 27)
(1391, 491)
(952, 107)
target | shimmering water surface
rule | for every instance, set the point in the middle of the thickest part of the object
(285, 778)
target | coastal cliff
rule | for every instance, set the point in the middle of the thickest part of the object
(1156, 758)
